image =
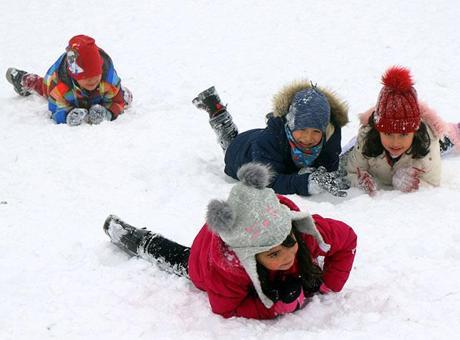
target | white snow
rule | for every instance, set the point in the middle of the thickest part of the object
(159, 165)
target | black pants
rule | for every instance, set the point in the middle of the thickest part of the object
(168, 255)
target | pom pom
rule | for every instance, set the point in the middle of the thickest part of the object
(398, 79)
(220, 216)
(255, 175)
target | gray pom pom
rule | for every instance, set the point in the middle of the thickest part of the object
(255, 175)
(220, 216)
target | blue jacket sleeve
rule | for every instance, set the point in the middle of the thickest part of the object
(59, 116)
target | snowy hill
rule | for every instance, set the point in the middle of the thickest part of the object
(159, 165)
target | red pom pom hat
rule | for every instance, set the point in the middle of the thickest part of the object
(83, 58)
(397, 109)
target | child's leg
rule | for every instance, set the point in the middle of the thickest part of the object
(220, 120)
(24, 83)
(33, 82)
(170, 256)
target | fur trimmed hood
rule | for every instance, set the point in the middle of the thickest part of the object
(283, 99)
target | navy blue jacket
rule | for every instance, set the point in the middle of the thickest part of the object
(270, 146)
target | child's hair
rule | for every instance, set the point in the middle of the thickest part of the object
(373, 145)
(310, 274)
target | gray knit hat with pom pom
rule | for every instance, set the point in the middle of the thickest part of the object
(252, 220)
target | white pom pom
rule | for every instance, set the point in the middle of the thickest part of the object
(220, 216)
(255, 175)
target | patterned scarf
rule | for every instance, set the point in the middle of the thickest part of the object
(303, 157)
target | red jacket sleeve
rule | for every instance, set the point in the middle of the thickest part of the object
(112, 98)
(231, 294)
(338, 261)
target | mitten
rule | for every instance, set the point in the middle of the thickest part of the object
(98, 113)
(407, 179)
(291, 297)
(323, 289)
(332, 182)
(366, 182)
(76, 116)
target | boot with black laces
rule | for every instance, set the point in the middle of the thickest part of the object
(15, 77)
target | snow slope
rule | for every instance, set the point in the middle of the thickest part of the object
(158, 165)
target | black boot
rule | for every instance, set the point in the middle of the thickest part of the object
(219, 118)
(14, 77)
(225, 129)
(445, 145)
(125, 236)
(209, 101)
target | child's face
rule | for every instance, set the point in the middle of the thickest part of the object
(91, 83)
(308, 137)
(396, 143)
(279, 257)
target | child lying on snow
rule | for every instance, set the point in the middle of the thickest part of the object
(81, 86)
(399, 142)
(256, 255)
(301, 142)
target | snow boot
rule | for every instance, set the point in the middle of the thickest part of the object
(125, 236)
(209, 101)
(14, 77)
(219, 118)
(445, 145)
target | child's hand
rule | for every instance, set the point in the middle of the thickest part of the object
(331, 182)
(366, 182)
(407, 179)
(291, 297)
(76, 116)
(97, 114)
(323, 289)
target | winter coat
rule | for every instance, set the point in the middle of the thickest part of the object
(214, 268)
(64, 95)
(382, 170)
(271, 146)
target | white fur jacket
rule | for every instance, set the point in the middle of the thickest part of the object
(379, 167)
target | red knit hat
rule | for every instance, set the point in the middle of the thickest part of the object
(397, 109)
(83, 58)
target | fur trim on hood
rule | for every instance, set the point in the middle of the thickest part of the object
(427, 114)
(283, 99)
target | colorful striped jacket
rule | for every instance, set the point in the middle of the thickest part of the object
(64, 94)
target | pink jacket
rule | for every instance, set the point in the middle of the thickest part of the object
(214, 268)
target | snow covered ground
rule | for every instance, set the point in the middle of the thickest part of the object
(158, 165)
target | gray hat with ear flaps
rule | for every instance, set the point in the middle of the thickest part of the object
(252, 220)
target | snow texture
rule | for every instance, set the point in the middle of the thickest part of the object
(159, 165)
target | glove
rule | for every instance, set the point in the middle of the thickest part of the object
(76, 116)
(323, 289)
(291, 297)
(331, 182)
(366, 182)
(407, 179)
(97, 114)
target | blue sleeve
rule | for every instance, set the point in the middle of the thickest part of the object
(59, 116)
